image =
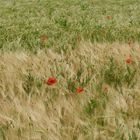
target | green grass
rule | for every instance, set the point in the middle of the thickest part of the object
(66, 22)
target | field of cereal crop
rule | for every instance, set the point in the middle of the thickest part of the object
(69, 70)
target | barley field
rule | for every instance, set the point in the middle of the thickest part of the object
(69, 70)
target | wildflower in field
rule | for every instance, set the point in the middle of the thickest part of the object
(51, 81)
(43, 38)
(109, 17)
(105, 88)
(79, 90)
(128, 60)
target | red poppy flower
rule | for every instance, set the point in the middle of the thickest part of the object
(105, 88)
(129, 60)
(43, 38)
(109, 17)
(79, 90)
(51, 81)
